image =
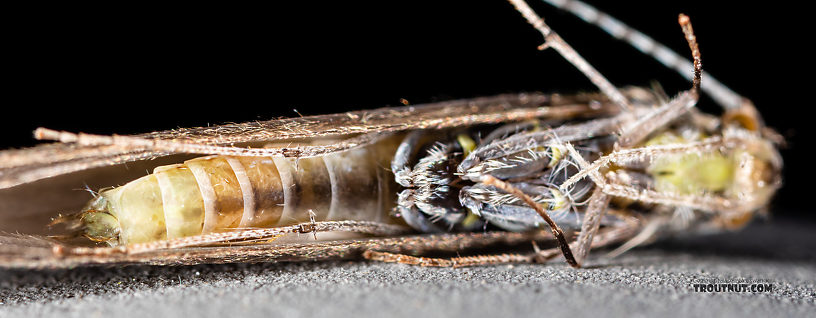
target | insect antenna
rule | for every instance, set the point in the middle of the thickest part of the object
(720, 93)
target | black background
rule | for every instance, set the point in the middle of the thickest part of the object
(134, 68)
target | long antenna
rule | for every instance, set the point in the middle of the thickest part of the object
(720, 93)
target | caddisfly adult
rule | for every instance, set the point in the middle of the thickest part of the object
(583, 171)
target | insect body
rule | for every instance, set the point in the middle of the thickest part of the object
(621, 166)
(445, 186)
(218, 193)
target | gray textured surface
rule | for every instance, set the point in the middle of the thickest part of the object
(652, 280)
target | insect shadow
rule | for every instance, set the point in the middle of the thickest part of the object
(779, 240)
(20, 287)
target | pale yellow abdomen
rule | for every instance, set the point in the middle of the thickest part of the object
(218, 193)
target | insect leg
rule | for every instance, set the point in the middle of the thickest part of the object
(401, 164)
(678, 106)
(656, 119)
(490, 159)
(721, 94)
(555, 41)
(598, 204)
(421, 178)
(130, 143)
(640, 129)
(646, 234)
(587, 169)
(556, 231)
(363, 227)
(416, 219)
(466, 261)
(605, 237)
(621, 156)
(637, 131)
(702, 202)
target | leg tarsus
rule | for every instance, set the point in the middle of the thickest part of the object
(598, 204)
(454, 262)
(603, 238)
(556, 231)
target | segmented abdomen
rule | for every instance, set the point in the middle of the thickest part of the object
(216, 193)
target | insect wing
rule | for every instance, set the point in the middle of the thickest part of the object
(85, 152)
(52, 173)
